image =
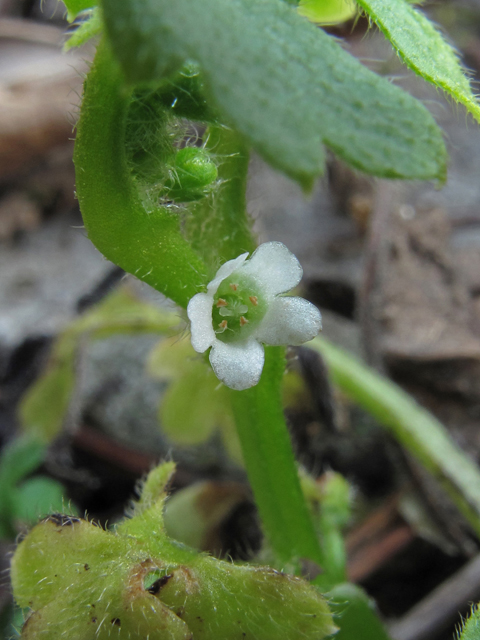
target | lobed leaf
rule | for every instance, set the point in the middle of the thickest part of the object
(134, 582)
(282, 83)
(422, 47)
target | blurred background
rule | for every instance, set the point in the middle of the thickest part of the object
(394, 268)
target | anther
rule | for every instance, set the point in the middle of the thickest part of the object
(223, 325)
(253, 300)
(233, 287)
(243, 321)
(222, 303)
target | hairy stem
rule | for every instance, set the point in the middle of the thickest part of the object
(147, 244)
(270, 464)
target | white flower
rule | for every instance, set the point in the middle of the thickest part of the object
(243, 308)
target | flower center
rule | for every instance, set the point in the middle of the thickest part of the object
(238, 308)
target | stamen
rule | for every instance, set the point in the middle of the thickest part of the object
(223, 325)
(253, 300)
(222, 303)
(233, 287)
(243, 321)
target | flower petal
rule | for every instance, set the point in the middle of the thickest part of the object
(199, 311)
(238, 365)
(225, 270)
(289, 320)
(274, 267)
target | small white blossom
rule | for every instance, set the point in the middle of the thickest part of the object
(243, 309)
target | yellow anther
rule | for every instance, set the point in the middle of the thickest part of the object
(223, 324)
(253, 300)
(222, 303)
(243, 321)
(234, 287)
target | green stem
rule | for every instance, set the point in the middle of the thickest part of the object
(147, 244)
(270, 464)
(414, 427)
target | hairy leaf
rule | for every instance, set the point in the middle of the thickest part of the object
(471, 627)
(283, 83)
(422, 48)
(86, 30)
(134, 582)
(74, 7)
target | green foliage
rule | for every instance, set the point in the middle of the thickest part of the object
(218, 227)
(170, 208)
(196, 515)
(81, 582)
(422, 48)
(208, 407)
(23, 501)
(123, 158)
(44, 407)
(327, 11)
(414, 427)
(330, 499)
(87, 29)
(470, 629)
(294, 85)
(191, 175)
(147, 243)
(36, 497)
(74, 7)
(154, 132)
(355, 614)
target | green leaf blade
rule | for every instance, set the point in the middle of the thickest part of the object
(282, 83)
(471, 627)
(74, 7)
(412, 425)
(88, 29)
(422, 48)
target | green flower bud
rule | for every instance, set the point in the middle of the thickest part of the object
(191, 175)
